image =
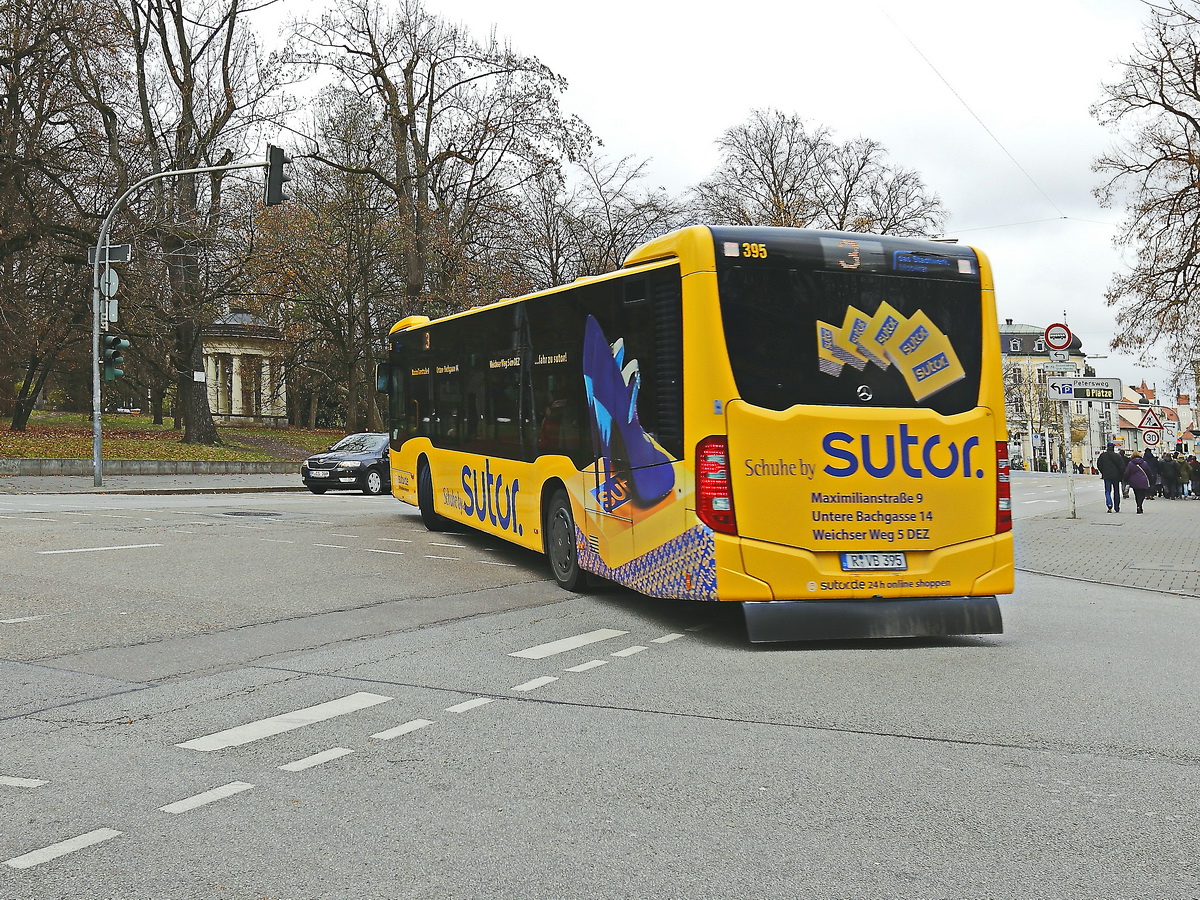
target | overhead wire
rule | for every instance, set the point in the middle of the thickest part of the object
(974, 115)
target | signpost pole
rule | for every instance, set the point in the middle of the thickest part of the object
(1067, 461)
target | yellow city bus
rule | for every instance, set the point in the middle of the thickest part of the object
(808, 423)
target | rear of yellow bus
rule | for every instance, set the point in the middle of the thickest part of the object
(845, 402)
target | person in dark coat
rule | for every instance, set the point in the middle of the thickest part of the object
(1168, 474)
(1155, 484)
(1137, 475)
(1112, 466)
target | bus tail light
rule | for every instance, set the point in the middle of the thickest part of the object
(714, 494)
(1003, 489)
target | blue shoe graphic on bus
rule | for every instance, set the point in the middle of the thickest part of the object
(617, 435)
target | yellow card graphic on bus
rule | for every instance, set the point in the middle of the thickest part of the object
(853, 329)
(827, 359)
(844, 346)
(924, 356)
(881, 330)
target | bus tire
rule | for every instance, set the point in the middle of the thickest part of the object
(561, 550)
(434, 521)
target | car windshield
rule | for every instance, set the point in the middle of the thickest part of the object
(361, 443)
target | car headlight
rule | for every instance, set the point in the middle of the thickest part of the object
(349, 464)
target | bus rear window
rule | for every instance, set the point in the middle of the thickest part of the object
(894, 328)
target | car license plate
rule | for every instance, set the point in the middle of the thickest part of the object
(880, 561)
(313, 473)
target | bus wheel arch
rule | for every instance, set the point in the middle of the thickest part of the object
(433, 520)
(558, 537)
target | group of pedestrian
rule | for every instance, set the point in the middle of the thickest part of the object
(1171, 476)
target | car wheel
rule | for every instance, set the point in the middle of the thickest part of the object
(373, 483)
(317, 490)
(561, 549)
(434, 521)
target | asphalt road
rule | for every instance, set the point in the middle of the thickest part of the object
(278, 695)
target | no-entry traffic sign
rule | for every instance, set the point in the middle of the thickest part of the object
(1058, 336)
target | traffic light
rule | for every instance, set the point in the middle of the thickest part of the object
(276, 160)
(113, 356)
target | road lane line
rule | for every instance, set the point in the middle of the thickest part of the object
(667, 638)
(401, 729)
(629, 651)
(333, 546)
(62, 848)
(22, 619)
(244, 734)
(397, 540)
(470, 704)
(534, 684)
(316, 759)
(14, 781)
(392, 552)
(541, 651)
(455, 546)
(594, 664)
(27, 519)
(488, 562)
(96, 549)
(427, 556)
(217, 793)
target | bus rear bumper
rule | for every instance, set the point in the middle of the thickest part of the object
(824, 620)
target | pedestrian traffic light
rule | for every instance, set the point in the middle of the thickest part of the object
(276, 160)
(113, 356)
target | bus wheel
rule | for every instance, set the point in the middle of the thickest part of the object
(560, 543)
(434, 521)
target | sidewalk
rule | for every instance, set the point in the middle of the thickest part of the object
(1158, 551)
(151, 484)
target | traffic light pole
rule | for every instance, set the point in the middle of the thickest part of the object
(101, 244)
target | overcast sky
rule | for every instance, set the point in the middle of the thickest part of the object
(664, 80)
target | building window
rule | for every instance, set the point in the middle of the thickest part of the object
(1014, 346)
(1039, 346)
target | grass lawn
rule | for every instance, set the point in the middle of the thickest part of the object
(69, 436)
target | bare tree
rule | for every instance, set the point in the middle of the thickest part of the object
(201, 91)
(49, 185)
(1154, 167)
(776, 170)
(467, 123)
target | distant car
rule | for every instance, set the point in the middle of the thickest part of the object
(358, 462)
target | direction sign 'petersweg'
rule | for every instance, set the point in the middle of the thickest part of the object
(1083, 388)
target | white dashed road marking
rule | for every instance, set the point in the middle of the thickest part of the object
(470, 704)
(629, 651)
(534, 684)
(217, 793)
(316, 759)
(97, 549)
(62, 848)
(244, 734)
(541, 651)
(13, 781)
(401, 729)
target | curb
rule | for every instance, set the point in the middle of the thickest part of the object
(53, 467)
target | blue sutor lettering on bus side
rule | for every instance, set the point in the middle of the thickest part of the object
(489, 499)
(840, 445)
(613, 493)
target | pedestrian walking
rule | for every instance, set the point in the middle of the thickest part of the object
(1137, 475)
(1124, 462)
(1112, 466)
(1155, 483)
(1194, 467)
